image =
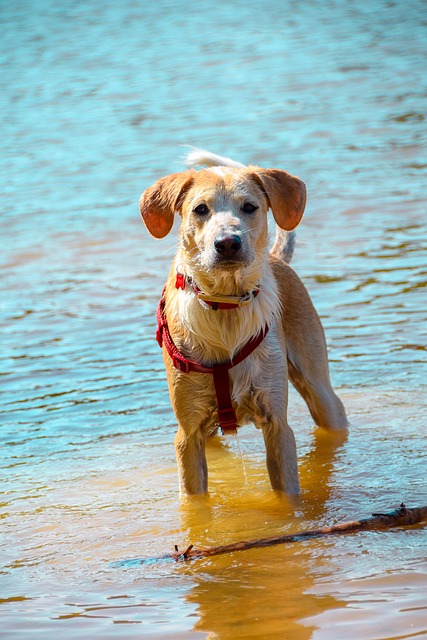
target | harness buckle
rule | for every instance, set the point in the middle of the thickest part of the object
(228, 430)
(227, 417)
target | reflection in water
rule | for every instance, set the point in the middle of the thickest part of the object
(231, 595)
(229, 590)
(96, 100)
(317, 468)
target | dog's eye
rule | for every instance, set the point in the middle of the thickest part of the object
(248, 207)
(201, 209)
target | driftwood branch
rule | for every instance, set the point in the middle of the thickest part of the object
(400, 517)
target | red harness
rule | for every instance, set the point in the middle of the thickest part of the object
(226, 414)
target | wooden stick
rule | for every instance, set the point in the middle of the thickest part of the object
(400, 517)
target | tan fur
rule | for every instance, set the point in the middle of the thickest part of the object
(295, 345)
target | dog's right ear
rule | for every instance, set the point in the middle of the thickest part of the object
(159, 202)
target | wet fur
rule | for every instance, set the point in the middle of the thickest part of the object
(295, 345)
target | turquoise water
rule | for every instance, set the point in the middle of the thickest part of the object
(98, 100)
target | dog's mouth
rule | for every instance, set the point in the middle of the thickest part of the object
(222, 264)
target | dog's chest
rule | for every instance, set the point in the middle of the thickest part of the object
(259, 382)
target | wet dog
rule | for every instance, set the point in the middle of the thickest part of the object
(235, 321)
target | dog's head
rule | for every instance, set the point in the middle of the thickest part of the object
(224, 212)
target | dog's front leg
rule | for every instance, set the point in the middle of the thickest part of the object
(282, 463)
(192, 397)
(191, 459)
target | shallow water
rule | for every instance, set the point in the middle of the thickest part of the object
(97, 101)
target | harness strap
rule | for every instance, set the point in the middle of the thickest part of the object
(226, 414)
(163, 337)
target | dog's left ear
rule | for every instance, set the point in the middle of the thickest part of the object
(159, 202)
(285, 193)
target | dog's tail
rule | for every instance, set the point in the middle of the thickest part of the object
(200, 157)
(284, 244)
(284, 241)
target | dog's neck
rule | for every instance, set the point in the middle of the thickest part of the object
(216, 301)
(222, 282)
(216, 335)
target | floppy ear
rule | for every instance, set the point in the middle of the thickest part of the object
(286, 194)
(159, 202)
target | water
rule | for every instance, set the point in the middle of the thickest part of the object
(97, 100)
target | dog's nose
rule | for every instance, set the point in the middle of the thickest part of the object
(228, 246)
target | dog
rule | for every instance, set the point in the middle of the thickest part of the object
(235, 321)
